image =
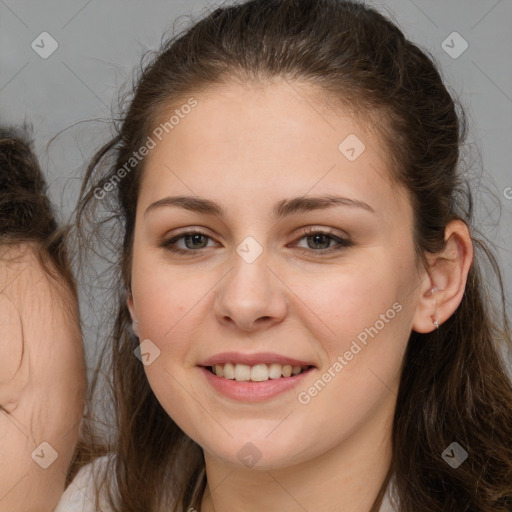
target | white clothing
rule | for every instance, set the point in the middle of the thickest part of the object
(79, 496)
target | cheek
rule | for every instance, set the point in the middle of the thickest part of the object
(341, 305)
(362, 324)
(169, 313)
(171, 306)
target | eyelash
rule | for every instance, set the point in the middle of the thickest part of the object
(342, 242)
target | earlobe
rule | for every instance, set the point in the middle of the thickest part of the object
(427, 316)
(443, 289)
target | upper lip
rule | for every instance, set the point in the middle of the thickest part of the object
(252, 359)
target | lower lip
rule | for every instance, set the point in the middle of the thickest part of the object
(250, 391)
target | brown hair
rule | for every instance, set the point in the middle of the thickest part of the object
(26, 213)
(454, 384)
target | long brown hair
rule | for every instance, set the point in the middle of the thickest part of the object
(454, 384)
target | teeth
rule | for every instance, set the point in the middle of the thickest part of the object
(242, 372)
(256, 373)
(287, 370)
(228, 371)
(275, 371)
(259, 372)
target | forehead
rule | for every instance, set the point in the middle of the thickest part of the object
(260, 142)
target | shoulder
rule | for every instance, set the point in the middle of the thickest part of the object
(80, 495)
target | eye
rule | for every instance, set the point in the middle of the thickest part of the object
(193, 239)
(323, 238)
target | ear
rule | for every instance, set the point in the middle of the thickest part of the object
(447, 275)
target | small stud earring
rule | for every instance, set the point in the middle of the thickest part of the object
(436, 323)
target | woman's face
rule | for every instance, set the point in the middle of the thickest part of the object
(254, 283)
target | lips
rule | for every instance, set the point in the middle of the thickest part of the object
(254, 391)
(253, 359)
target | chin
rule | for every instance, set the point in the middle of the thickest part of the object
(258, 453)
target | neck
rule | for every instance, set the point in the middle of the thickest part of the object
(346, 478)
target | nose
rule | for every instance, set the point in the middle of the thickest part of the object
(251, 297)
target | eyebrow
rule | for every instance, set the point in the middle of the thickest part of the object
(281, 209)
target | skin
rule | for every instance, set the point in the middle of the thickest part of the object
(41, 387)
(246, 148)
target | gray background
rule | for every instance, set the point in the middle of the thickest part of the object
(101, 42)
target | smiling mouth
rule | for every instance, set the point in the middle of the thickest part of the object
(256, 373)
